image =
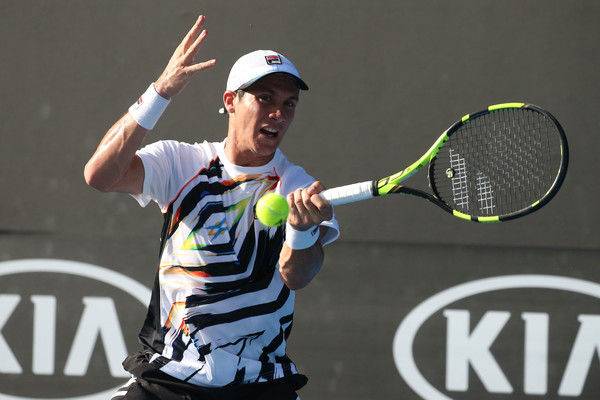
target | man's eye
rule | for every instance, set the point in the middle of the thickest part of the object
(265, 99)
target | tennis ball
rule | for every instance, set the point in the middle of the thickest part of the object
(272, 209)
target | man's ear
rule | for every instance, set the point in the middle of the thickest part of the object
(228, 101)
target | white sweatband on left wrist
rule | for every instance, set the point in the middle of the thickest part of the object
(149, 107)
(299, 240)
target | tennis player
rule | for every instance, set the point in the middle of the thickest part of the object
(222, 304)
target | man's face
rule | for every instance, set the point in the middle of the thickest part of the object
(261, 117)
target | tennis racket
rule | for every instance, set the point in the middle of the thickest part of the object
(494, 165)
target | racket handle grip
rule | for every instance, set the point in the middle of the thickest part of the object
(349, 193)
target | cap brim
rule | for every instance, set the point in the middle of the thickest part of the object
(301, 84)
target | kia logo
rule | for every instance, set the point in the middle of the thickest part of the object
(468, 343)
(64, 329)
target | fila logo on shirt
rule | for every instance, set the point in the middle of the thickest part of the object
(515, 336)
(65, 329)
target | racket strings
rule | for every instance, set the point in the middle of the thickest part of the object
(498, 163)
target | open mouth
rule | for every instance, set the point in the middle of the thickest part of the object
(271, 132)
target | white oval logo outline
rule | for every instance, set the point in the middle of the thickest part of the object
(408, 328)
(105, 275)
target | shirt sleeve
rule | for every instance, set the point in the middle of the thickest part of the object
(167, 168)
(150, 161)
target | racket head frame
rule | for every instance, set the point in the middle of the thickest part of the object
(391, 184)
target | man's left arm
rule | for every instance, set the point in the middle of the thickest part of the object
(302, 254)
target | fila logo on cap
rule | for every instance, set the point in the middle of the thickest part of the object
(273, 60)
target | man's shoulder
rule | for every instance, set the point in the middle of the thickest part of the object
(293, 176)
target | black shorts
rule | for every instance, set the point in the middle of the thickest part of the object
(149, 383)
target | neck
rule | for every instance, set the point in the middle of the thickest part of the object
(245, 158)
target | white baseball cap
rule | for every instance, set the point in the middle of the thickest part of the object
(257, 64)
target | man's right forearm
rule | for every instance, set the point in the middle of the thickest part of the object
(114, 166)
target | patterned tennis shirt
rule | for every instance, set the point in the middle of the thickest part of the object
(220, 313)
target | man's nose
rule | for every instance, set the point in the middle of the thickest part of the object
(276, 114)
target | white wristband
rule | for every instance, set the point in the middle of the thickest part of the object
(149, 107)
(299, 240)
